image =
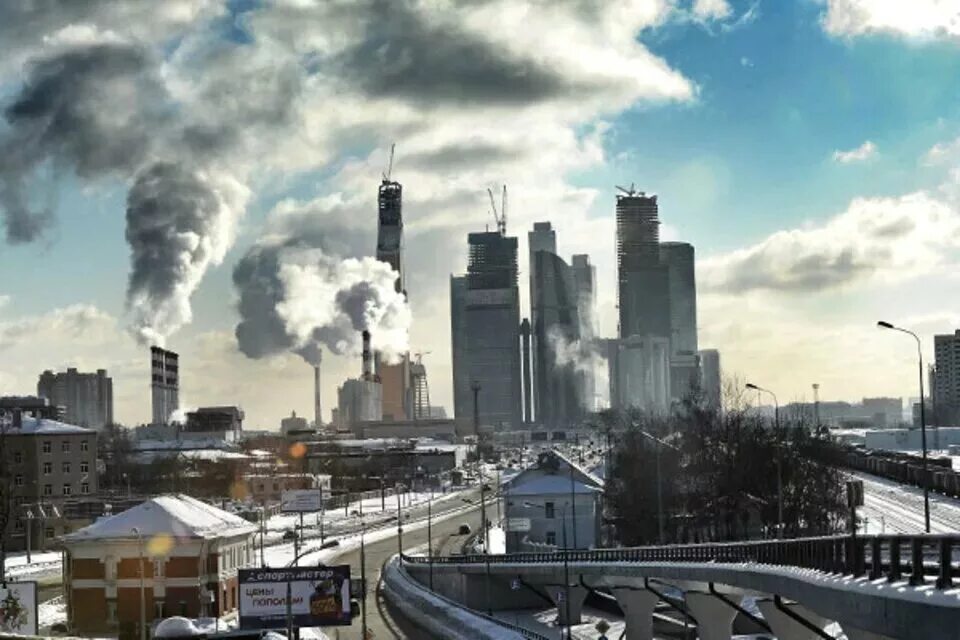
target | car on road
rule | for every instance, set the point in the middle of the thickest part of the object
(464, 530)
(289, 534)
(330, 544)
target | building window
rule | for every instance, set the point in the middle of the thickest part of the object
(183, 608)
(158, 567)
(18, 525)
(47, 468)
(84, 467)
(18, 480)
(65, 446)
(48, 489)
(84, 488)
(551, 537)
(84, 446)
(47, 446)
(67, 489)
(548, 510)
(17, 457)
(66, 467)
(49, 532)
(112, 611)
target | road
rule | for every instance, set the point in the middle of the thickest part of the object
(383, 621)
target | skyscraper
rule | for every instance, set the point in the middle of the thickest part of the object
(164, 384)
(946, 379)
(556, 342)
(87, 398)
(585, 282)
(679, 259)
(639, 369)
(485, 319)
(710, 376)
(394, 377)
(643, 280)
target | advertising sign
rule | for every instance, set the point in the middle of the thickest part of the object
(18, 608)
(299, 500)
(319, 597)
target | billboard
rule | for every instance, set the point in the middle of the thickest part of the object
(319, 597)
(18, 608)
(300, 500)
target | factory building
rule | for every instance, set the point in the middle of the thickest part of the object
(87, 398)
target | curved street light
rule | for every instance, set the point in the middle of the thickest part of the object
(923, 419)
(776, 422)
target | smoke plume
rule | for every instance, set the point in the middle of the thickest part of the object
(582, 355)
(301, 298)
(179, 222)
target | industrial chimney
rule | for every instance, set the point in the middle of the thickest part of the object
(367, 357)
(317, 412)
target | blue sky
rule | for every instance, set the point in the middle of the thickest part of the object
(731, 112)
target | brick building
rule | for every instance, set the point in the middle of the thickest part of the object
(191, 552)
(49, 464)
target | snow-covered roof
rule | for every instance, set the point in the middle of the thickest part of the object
(541, 480)
(545, 485)
(45, 426)
(176, 515)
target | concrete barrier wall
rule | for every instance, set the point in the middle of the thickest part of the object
(440, 617)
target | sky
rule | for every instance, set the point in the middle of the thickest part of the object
(204, 173)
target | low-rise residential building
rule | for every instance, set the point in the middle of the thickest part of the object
(48, 463)
(269, 488)
(190, 552)
(554, 501)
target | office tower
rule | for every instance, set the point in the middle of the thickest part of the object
(87, 398)
(485, 323)
(679, 259)
(710, 376)
(643, 280)
(394, 377)
(556, 332)
(946, 379)
(542, 238)
(585, 282)
(164, 384)
(639, 369)
(526, 366)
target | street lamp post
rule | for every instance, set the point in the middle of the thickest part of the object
(143, 599)
(566, 565)
(430, 540)
(776, 423)
(923, 421)
(660, 444)
(399, 521)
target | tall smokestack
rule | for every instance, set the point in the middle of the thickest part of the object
(367, 357)
(316, 396)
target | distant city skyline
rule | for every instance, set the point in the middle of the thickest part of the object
(158, 159)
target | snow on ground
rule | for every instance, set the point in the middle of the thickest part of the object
(40, 563)
(497, 540)
(890, 507)
(51, 612)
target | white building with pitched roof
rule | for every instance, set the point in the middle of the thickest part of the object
(190, 552)
(554, 498)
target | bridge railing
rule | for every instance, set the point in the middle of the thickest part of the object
(896, 557)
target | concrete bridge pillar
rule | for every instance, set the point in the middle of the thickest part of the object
(857, 634)
(637, 605)
(558, 593)
(785, 627)
(714, 616)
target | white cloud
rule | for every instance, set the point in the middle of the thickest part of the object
(746, 62)
(711, 9)
(942, 153)
(876, 240)
(913, 18)
(865, 151)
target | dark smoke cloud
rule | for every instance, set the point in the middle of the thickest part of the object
(93, 109)
(179, 222)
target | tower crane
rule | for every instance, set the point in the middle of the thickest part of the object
(389, 172)
(632, 191)
(500, 218)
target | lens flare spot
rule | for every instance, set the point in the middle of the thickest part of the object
(160, 544)
(298, 450)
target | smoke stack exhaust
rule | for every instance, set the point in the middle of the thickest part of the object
(367, 357)
(316, 396)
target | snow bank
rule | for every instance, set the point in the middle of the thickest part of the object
(441, 617)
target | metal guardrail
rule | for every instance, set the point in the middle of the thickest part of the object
(895, 557)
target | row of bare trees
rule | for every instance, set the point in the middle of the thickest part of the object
(718, 475)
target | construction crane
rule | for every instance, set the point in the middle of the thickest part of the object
(632, 191)
(389, 172)
(501, 219)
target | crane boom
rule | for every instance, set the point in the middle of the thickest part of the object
(386, 176)
(502, 227)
